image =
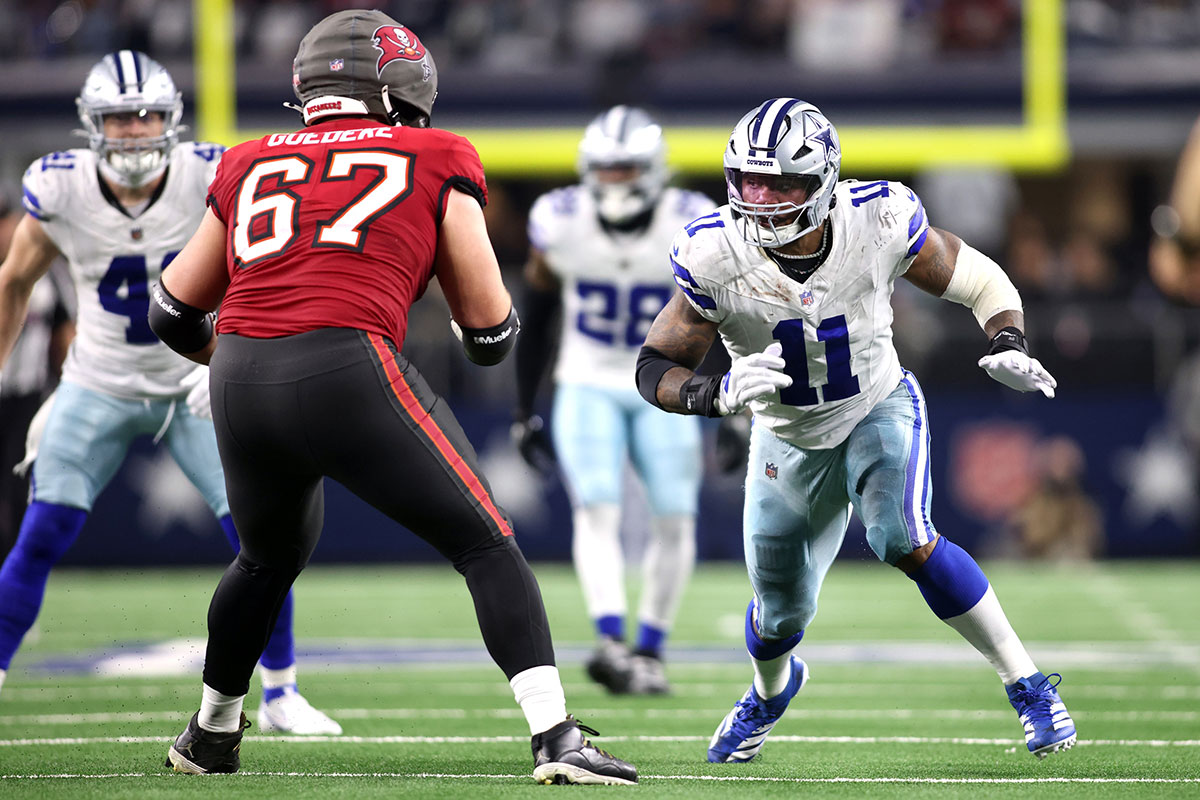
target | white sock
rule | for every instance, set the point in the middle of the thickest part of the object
(666, 567)
(599, 562)
(220, 713)
(277, 678)
(539, 693)
(771, 677)
(3, 673)
(988, 631)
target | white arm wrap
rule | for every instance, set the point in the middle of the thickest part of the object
(980, 284)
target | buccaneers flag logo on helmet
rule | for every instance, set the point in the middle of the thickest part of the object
(396, 42)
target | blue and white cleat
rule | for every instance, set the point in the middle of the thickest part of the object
(742, 733)
(1048, 726)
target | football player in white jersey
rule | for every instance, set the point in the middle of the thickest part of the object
(118, 212)
(796, 274)
(596, 249)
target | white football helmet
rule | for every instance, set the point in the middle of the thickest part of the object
(624, 137)
(130, 82)
(791, 139)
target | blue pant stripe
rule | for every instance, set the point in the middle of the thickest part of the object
(917, 482)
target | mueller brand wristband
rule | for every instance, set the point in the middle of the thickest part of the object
(183, 328)
(488, 346)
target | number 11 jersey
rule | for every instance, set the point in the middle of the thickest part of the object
(336, 225)
(835, 327)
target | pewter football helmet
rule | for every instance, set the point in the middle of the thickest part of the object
(130, 82)
(624, 137)
(791, 139)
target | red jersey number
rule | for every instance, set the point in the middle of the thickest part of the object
(281, 208)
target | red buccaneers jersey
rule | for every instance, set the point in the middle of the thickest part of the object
(335, 226)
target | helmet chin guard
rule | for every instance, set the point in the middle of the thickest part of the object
(792, 139)
(130, 82)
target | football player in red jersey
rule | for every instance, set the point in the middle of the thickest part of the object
(315, 244)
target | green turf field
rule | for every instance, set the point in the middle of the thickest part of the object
(897, 706)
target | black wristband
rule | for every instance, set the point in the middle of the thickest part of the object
(698, 394)
(1009, 338)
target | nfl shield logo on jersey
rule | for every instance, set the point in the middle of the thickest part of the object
(806, 298)
(337, 64)
(772, 471)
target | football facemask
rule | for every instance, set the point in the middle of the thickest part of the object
(791, 147)
(132, 83)
(623, 140)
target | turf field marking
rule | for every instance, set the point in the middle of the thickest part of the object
(714, 778)
(794, 739)
(101, 717)
(1145, 623)
(865, 689)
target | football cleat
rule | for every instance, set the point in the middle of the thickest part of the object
(200, 752)
(563, 755)
(742, 733)
(291, 713)
(611, 665)
(646, 675)
(1048, 726)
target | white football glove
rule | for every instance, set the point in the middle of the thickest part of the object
(198, 401)
(751, 377)
(33, 437)
(1017, 370)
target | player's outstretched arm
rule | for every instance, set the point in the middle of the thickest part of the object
(29, 257)
(189, 289)
(481, 309)
(539, 340)
(951, 269)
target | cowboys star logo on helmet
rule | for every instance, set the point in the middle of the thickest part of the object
(396, 42)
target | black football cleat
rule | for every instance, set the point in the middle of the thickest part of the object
(562, 755)
(201, 752)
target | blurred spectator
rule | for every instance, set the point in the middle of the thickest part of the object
(30, 374)
(1175, 250)
(974, 203)
(1059, 521)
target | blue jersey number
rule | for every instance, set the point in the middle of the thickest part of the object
(880, 187)
(836, 337)
(129, 273)
(643, 304)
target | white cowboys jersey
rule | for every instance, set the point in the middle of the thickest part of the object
(835, 328)
(613, 284)
(113, 260)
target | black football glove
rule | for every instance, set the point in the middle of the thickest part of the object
(533, 442)
(733, 443)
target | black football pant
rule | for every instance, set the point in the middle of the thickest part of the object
(344, 404)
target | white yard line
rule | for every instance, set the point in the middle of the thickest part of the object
(714, 778)
(102, 717)
(939, 740)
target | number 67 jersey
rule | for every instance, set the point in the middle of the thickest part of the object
(336, 225)
(835, 327)
(114, 257)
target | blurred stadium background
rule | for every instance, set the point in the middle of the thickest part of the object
(1044, 132)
